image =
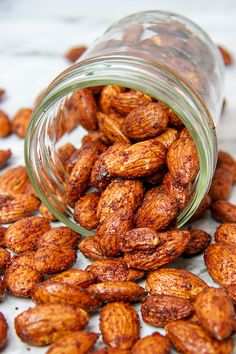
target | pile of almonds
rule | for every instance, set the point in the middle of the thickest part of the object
(142, 161)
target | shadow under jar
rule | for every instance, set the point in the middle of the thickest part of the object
(162, 54)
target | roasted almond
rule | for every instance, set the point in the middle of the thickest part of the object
(110, 350)
(220, 260)
(113, 270)
(75, 277)
(44, 324)
(199, 241)
(145, 122)
(221, 185)
(223, 211)
(157, 210)
(106, 95)
(74, 53)
(226, 56)
(93, 136)
(155, 343)
(231, 290)
(13, 208)
(175, 121)
(172, 244)
(75, 342)
(4, 157)
(2, 233)
(65, 152)
(119, 324)
(20, 279)
(25, 259)
(2, 289)
(202, 209)
(3, 330)
(190, 338)
(20, 122)
(14, 180)
(226, 161)
(168, 137)
(174, 282)
(159, 310)
(138, 160)
(125, 102)
(59, 236)
(111, 291)
(5, 125)
(177, 191)
(23, 234)
(46, 213)
(85, 211)
(50, 292)
(182, 159)
(119, 194)
(90, 247)
(5, 258)
(215, 312)
(226, 233)
(140, 239)
(111, 127)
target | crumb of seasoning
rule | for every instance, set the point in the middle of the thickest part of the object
(28, 349)
(16, 308)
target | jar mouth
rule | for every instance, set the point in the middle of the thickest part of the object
(155, 80)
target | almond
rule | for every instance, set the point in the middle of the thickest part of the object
(50, 292)
(140, 239)
(125, 102)
(199, 241)
(59, 236)
(157, 177)
(175, 121)
(46, 213)
(174, 282)
(20, 122)
(113, 270)
(172, 244)
(5, 258)
(93, 136)
(145, 122)
(17, 207)
(90, 247)
(74, 53)
(138, 160)
(24, 259)
(223, 211)
(2, 289)
(23, 234)
(2, 233)
(157, 210)
(215, 312)
(111, 291)
(5, 125)
(80, 174)
(20, 279)
(75, 277)
(159, 310)
(220, 260)
(3, 330)
(106, 96)
(85, 211)
(226, 233)
(82, 107)
(177, 191)
(182, 159)
(226, 56)
(155, 343)
(76, 342)
(231, 290)
(226, 161)
(168, 137)
(14, 180)
(110, 350)
(65, 152)
(119, 324)
(221, 185)
(119, 194)
(44, 324)
(190, 338)
(111, 127)
(4, 157)
(202, 209)
(109, 230)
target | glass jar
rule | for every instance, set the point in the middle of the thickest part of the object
(162, 54)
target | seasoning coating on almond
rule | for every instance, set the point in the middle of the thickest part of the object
(146, 122)
(59, 236)
(155, 343)
(199, 241)
(110, 291)
(138, 160)
(14, 180)
(223, 211)
(76, 342)
(113, 270)
(125, 102)
(76, 277)
(172, 244)
(23, 234)
(119, 324)
(20, 279)
(215, 312)
(226, 233)
(176, 190)
(3, 330)
(50, 292)
(44, 324)
(220, 260)
(159, 310)
(157, 210)
(85, 211)
(119, 194)
(5, 258)
(174, 282)
(4, 157)
(139, 239)
(20, 122)
(5, 125)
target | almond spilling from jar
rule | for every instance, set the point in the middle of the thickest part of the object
(90, 247)
(199, 241)
(140, 239)
(85, 211)
(226, 234)
(223, 211)
(59, 236)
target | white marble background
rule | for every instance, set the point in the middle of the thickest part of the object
(35, 34)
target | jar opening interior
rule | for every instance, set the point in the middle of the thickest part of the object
(46, 170)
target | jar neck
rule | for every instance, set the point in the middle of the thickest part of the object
(156, 81)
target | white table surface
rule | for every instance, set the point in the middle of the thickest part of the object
(34, 35)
